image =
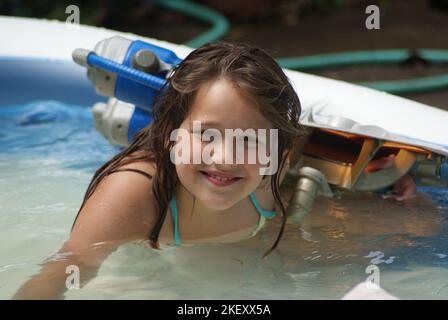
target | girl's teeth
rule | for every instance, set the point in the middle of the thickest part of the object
(221, 178)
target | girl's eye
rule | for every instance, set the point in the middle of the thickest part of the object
(202, 137)
(248, 142)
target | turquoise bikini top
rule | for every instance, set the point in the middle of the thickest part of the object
(262, 212)
(173, 206)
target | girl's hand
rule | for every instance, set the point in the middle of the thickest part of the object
(404, 189)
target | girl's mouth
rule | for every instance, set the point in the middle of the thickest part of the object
(218, 179)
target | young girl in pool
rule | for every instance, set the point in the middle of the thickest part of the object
(140, 194)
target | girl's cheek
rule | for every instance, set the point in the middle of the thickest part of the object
(195, 149)
(185, 170)
(253, 171)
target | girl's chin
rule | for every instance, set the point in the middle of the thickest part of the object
(218, 202)
(214, 205)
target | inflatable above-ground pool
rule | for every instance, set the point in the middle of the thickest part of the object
(36, 64)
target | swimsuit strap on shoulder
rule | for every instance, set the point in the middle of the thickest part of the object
(264, 213)
(173, 207)
(134, 170)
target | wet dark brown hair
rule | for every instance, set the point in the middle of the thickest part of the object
(254, 73)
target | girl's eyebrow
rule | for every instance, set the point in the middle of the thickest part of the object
(209, 123)
(206, 125)
(217, 124)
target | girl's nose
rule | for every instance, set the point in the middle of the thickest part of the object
(224, 153)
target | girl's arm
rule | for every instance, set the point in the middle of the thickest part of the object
(120, 210)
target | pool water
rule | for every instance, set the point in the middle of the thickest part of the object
(49, 152)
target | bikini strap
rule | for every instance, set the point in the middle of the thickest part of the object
(134, 170)
(264, 213)
(173, 207)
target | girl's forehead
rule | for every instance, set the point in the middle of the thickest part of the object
(220, 102)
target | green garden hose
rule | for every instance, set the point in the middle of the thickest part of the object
(220, 27)
(343, 59)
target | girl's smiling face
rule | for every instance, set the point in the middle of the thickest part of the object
(219, 105)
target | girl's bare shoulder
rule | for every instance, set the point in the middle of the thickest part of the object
(121, 206)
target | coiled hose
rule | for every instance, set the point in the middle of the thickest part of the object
(220, 27)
